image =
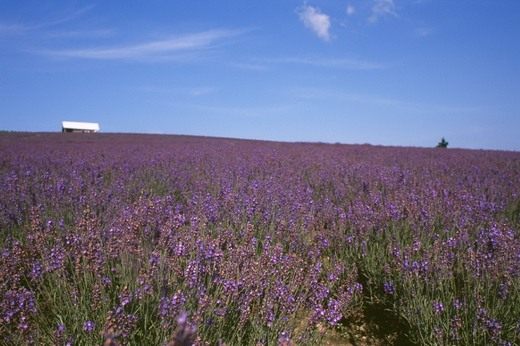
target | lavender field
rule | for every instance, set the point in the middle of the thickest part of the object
(172, 240)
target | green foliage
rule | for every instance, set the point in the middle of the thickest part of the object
(442, 144)
(512, 212)
(430, 301)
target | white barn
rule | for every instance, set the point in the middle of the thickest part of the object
(75, 126)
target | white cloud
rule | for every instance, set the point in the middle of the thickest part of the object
(382, 8)
(350, 9)
(316, 21)
(153, 50)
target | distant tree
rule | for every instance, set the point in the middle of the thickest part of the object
(442, 143)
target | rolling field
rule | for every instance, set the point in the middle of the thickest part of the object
(173, 240)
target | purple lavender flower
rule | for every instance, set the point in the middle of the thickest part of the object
(125, 298)
(180, 249)
(182, 318)
(438, 307)
(457, 304)
(60, 330)
(503, 291)
(17, 306)
(493, 326)
(169, 306)
(89, 326)
(333, 313)
(185, 333)
(253, 232)
(154, 259)
(36, 270)
(388, 288)
(106, 281)
(191, 273)
(355, 288)
(284, 339)
(56, 258)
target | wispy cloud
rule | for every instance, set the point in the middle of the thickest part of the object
(423, 32)
(73, 34)
(196, 91)
(23, 28)
(152, 50)
(316, 21)
(351, 10)
(340, 63)
(265, 64)
(66, 18)
(311, 93)
(12, 29)
(201, 91)
(245, 111)
(252, 66)
(382, 8)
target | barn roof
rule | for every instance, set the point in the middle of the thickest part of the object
(80, 125)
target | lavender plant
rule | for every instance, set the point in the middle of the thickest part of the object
(173, 240)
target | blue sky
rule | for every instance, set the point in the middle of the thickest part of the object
(389, 72)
